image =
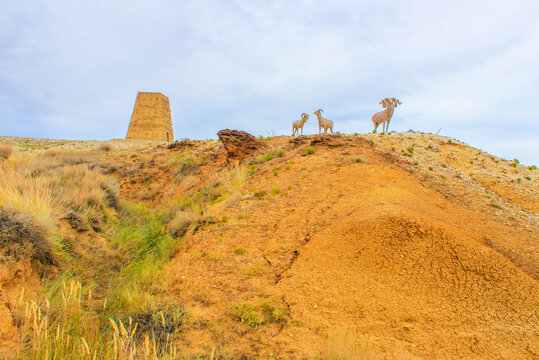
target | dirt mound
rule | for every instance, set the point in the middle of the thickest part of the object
(402, 278)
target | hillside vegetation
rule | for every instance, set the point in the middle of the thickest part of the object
(379, 246)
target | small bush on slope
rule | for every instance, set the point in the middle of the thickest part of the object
(5, 152)
(25, 236)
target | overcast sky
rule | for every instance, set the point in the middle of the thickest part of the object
(72, 69)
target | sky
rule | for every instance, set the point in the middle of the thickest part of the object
(468, 69)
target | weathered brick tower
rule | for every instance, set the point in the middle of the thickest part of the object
(151, 118)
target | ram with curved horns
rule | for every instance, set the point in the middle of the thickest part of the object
(384, 116)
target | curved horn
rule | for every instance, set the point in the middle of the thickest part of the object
(384, 103)
(399, 102)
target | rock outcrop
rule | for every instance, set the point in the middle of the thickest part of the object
(239, 144)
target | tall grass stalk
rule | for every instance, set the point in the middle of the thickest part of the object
(59, 328)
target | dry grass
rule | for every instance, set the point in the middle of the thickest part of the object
(234, 179)
(5, 152)
(37, 191)
(179, 225)
(56, 328)
(105, 147)
(343, 346)
(25, 236)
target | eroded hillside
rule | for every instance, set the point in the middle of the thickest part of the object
(403, 245)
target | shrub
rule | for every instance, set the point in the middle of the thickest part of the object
(185, 165)
(182, 220)
(275, 173)
(251, 271)
(5, 152)
(260, 193)
(275, 191)
(240, 251)
(23, 235)
(272, 314)
(431, 168)
(533, 167)
(280, 153)
(246, 314)
(310, 151)
(358, 160)
(105, 147)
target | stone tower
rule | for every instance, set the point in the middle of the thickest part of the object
(151, 118)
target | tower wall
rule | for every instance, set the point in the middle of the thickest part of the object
(151, 118)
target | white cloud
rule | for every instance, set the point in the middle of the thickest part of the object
(459, 65)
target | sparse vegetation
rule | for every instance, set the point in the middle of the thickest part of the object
(105, 147)
(184, 165)
(358, 160)
(246, 314)
(275, 191)
(310, 151)
(240, 251)
(260, 193)
(252, 270)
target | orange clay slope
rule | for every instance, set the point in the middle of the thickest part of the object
(412, 253)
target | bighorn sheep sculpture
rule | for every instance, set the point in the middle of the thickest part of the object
(296, 125)
(384, 116)
(323, 123)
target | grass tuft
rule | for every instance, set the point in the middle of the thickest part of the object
(5, 152)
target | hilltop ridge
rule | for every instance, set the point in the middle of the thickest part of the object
(396, 245)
